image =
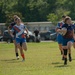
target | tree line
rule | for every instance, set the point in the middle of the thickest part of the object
(36, 10)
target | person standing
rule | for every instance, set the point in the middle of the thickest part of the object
(36, 32)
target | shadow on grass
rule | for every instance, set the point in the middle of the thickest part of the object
(55, 63)
(11, 61)
(60, 66)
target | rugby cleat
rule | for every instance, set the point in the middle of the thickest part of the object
(70, 59)
(65, 61)
(23, 60)
(17, 57)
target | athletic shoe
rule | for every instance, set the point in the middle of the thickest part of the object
(70, 59)
(17, 57)
(23, 60)
(65, 61)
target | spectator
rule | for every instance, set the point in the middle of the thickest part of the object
(36, 32)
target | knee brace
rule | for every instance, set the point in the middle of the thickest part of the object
(65, 51)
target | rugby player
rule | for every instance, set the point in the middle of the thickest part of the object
(59, 36)
(10, 27)
(19, 29)
(67, 38)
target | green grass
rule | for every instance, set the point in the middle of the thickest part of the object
(41, 59)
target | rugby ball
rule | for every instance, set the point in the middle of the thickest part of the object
(63, 31)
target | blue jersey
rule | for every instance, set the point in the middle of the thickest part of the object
(19, 30)
(59, 36)
(59, 26)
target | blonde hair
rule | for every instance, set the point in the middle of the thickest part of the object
(15, 16)
(67, 18)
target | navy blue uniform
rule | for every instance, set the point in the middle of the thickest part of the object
(11, 26)
(69, 35)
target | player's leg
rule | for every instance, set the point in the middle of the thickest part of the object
(59, 39)
(24, 44)
(65, 50)
(16, 49)
(69, 45)
(60, 48)
(74, 44)
(21, 51)
(19, 42)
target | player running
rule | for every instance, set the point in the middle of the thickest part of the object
(59, 36)
(67, 38)
(19, 29)
(10, 27)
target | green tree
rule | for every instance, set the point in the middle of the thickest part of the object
(36, 10)
(53, 18)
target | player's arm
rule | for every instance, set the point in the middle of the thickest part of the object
(27, 31)
(57, 29)
(8, 30)
(9, 27)
(11, 32)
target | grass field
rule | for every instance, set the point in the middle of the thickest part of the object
(41, 59)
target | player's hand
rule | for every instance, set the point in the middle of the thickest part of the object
(12, 35)
(58, 30)
(28, 36)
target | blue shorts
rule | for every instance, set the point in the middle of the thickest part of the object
(20, 40)
(65, 41)
(59, 39)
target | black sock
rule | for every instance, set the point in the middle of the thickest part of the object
(17, 54)
(70, 59)
(65, 52)
(69, 55)
(65, 61)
